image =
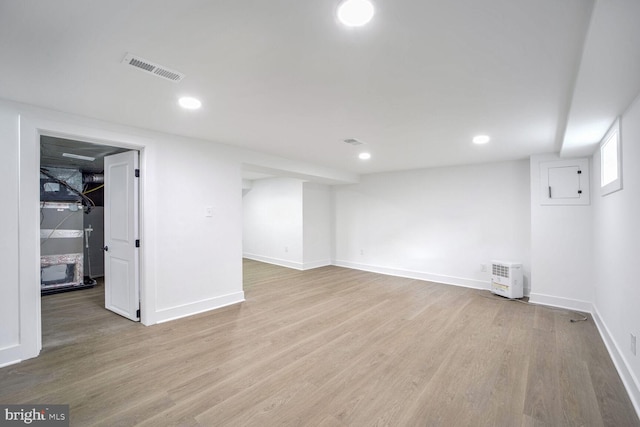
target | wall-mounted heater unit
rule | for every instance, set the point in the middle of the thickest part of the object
(506, 279)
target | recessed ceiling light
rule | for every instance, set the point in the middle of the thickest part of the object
(364, 156)
(189, 103)
(481, 139)
(355, 13)
(79, 157)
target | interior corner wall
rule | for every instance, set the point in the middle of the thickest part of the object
(189, 262)
(437, 224)
(316, 208)
(273, 221)
(616, 247)
(561, 260)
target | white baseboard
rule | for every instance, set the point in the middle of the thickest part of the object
(629, 380)
(420, 275)
(198, 307)
(276, 261)
(315, 264)
(560, 302)
(10, 355)
(13, 362)
(289, 264)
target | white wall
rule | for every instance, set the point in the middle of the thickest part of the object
(435, 224)
(616, 253)
(9, 287)
(200, 257)
(561, 263)
(189, 263)
(317, 238)
(272, 222)
(287, 222)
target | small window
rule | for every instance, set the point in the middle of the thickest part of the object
(610, 160)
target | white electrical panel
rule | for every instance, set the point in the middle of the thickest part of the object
(564, 182)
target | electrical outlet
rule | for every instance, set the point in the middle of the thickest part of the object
(208, 211)
(633, 344)
(483, 268)
(286, 248)
(361, 251)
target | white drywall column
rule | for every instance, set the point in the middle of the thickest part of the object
(316, 233)
(10, 325)
(561, 263)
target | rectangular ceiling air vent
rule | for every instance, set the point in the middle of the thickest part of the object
(353, 141)
(153, 68)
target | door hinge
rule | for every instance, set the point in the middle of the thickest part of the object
(138, 313)
(137, 173)
(137, 243)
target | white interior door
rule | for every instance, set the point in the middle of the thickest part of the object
(121, 260)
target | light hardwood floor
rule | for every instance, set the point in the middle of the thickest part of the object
(325, 347)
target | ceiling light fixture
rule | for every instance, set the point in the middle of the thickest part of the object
(189, 103)
(481, 139)
(79, 157)
(355, 13)
(364, 156)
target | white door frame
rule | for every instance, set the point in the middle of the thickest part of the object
(31, 128)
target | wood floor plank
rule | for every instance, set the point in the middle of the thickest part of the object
(509, 389)
(542, 398)
(370, 364)
(580, 404)
(325, 347)
(251, 375)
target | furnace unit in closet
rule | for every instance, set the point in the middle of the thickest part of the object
(61, 231)
(61, 246)
(506, 279)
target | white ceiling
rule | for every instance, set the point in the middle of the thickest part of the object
(284, 78)
(609, 76)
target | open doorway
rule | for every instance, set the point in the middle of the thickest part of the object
(73, 279)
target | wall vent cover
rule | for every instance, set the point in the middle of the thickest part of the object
(500, 270)
(153, 68)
